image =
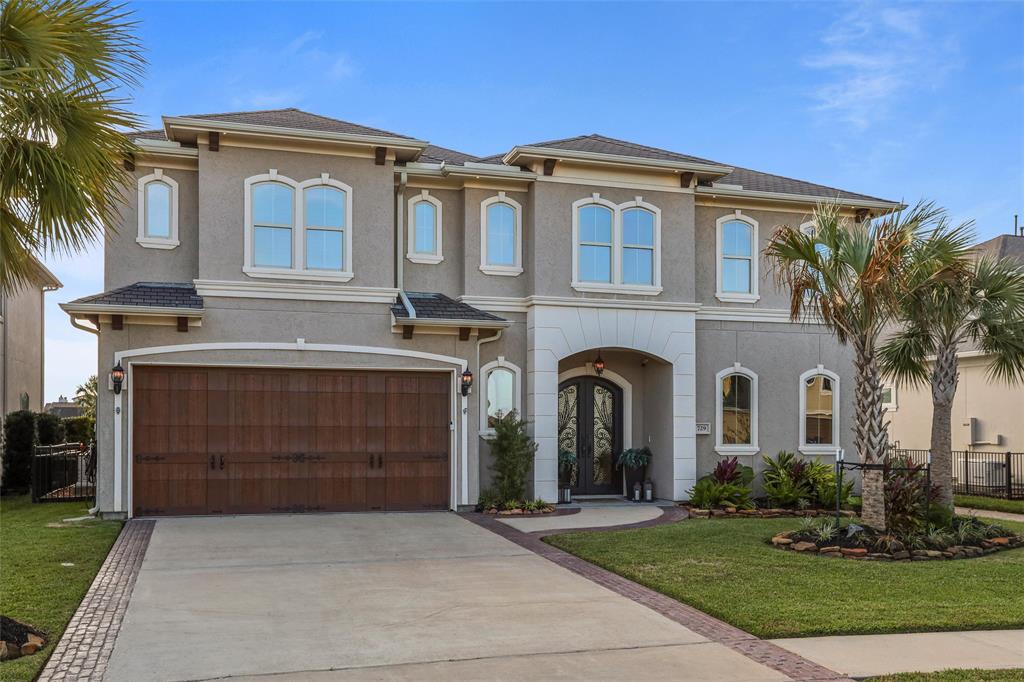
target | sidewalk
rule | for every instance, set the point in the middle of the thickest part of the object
(870, 655)
(1005, 516)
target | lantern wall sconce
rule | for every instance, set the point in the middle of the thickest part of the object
(117, 377)
(599, 364)
(467, 382)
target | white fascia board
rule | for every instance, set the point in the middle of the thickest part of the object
(171, 122)
(614, 159)
(800, 198)
(165, 148)
(106, 309)
(491, 171)
(437, 322)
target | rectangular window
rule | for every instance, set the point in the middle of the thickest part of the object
(501, 234)
(737, 257)
(595, 232)
(273, 247)
(638, 246)
(325, 249)
(273, 216)
(425, 221)
(324, 220)
(158, 210)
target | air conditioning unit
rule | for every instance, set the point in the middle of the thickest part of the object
(984, 472)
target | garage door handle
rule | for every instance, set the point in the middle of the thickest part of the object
(213, 461)
(380, 461)
(222, 462)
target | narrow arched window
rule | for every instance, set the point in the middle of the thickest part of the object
(273, 220)
(737, 258)
(595, 243)
(324, 216)
(736, 410)
(637, 246)
(158, 211)
(501, 236)
(425, 232)
(501, 394)
(819, 410)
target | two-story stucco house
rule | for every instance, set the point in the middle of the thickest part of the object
(297, 304)
(22, 342)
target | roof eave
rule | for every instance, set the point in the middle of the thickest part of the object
(517, 153)
(165, 148)
(437, 322)
(73, 308)
(198, 124)
(802, 198)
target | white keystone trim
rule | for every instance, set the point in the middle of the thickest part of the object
(819, 448)
(142, 238)
(755, 256)
(733, 449)
(459, 493)
(517, 210)
(412, 254)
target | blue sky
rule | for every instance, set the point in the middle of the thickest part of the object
(901, 101)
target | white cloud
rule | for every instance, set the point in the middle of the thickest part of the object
(874, 58)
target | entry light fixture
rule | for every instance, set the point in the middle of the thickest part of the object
(599, 364)
(467, 382)
(117, 377)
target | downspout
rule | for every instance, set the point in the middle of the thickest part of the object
(403, 180)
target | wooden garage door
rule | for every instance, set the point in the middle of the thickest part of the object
(239, 441)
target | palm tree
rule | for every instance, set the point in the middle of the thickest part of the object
(852, 275)
(982, 305)
(85, 397)
(61, 145)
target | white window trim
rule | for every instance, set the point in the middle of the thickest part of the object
(894, 404)
(816, 449)
(298, 269)
(157, 242)
(755, 277)
(808, 228)
(517, 375)
(412, 254)
(730, 449)
(517, 266)
(616, 286)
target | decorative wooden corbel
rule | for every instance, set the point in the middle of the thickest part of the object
(549, 166)
(213, 142)
(380, 154)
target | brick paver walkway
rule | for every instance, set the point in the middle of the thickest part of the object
(84, 650)
(792, 665)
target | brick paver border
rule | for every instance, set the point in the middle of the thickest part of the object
(84, 650)
(764, 652)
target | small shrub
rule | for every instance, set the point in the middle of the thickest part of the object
(513, 452)
(907, 496)
(488, 499)
(19, 439)
(79, 430)
(827, 530)
(786, 481)
(49, 429)
(710, 494)
(730, 470)
(509, 505)
(938, 538)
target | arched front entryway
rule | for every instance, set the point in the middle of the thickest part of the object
(590, 425)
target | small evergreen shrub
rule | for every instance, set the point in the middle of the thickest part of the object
(513, 451)
(49, 429)
(79, 430)
(19, 439)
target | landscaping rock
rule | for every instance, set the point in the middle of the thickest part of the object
(1001, 541)
(830, 549)
(779, 540)
(901, 556)
(804, 547)
(854, 551)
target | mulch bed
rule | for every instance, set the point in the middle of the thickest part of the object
(19, 639)
(766, 513)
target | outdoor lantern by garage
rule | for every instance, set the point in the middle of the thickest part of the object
(467, 382)
(117, 377)
(599, 364)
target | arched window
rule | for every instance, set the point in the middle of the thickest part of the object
(501, 394)
(736, 411)
(819, 411)
(501, 236)
(737, 258)
(424, 229)
(298, 230)
(158, 211)
(273, 219)
(324, 222)
(617, 248)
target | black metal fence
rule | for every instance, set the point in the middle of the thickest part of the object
(988, 474)
(63, 473)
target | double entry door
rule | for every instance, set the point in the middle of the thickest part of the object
(590, 425)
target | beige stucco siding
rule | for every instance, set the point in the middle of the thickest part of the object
(476, 282)
(445, 276)
(21, 349)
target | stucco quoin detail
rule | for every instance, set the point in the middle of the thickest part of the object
(555, 332)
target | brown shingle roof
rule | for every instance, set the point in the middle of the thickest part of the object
(149, 295)
(296, 119)
(148, 134)
(434, 154)
(599, 144)
(756, 181)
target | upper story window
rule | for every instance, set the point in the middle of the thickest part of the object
(424, 229)
(158, 211)
(819, 406)
(737, 258)
(501, 393)
(889, 397)
(298, 230)
(501, 238)
(617, 248)
(736, 411)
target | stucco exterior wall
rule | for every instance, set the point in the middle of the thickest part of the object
(21, 349)
(996, 408)
(445, 276)
(127, 262)
(476, 282)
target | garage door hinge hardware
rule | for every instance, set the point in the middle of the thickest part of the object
(297, 457)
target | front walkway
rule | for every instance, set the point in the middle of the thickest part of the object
(387, 596)
(985, 513)
(870, 655)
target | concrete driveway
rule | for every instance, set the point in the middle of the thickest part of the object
(387, 597)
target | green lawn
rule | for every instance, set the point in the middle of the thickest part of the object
(725, 567)
(974, 675)
(990, 503)
(34, 587)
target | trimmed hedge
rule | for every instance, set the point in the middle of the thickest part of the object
(49, 429)
(19, 439)
(79, 430)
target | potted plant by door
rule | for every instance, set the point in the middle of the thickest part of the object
(633, 460)
(566, 463)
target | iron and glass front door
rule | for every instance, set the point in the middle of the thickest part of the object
(590, 425)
